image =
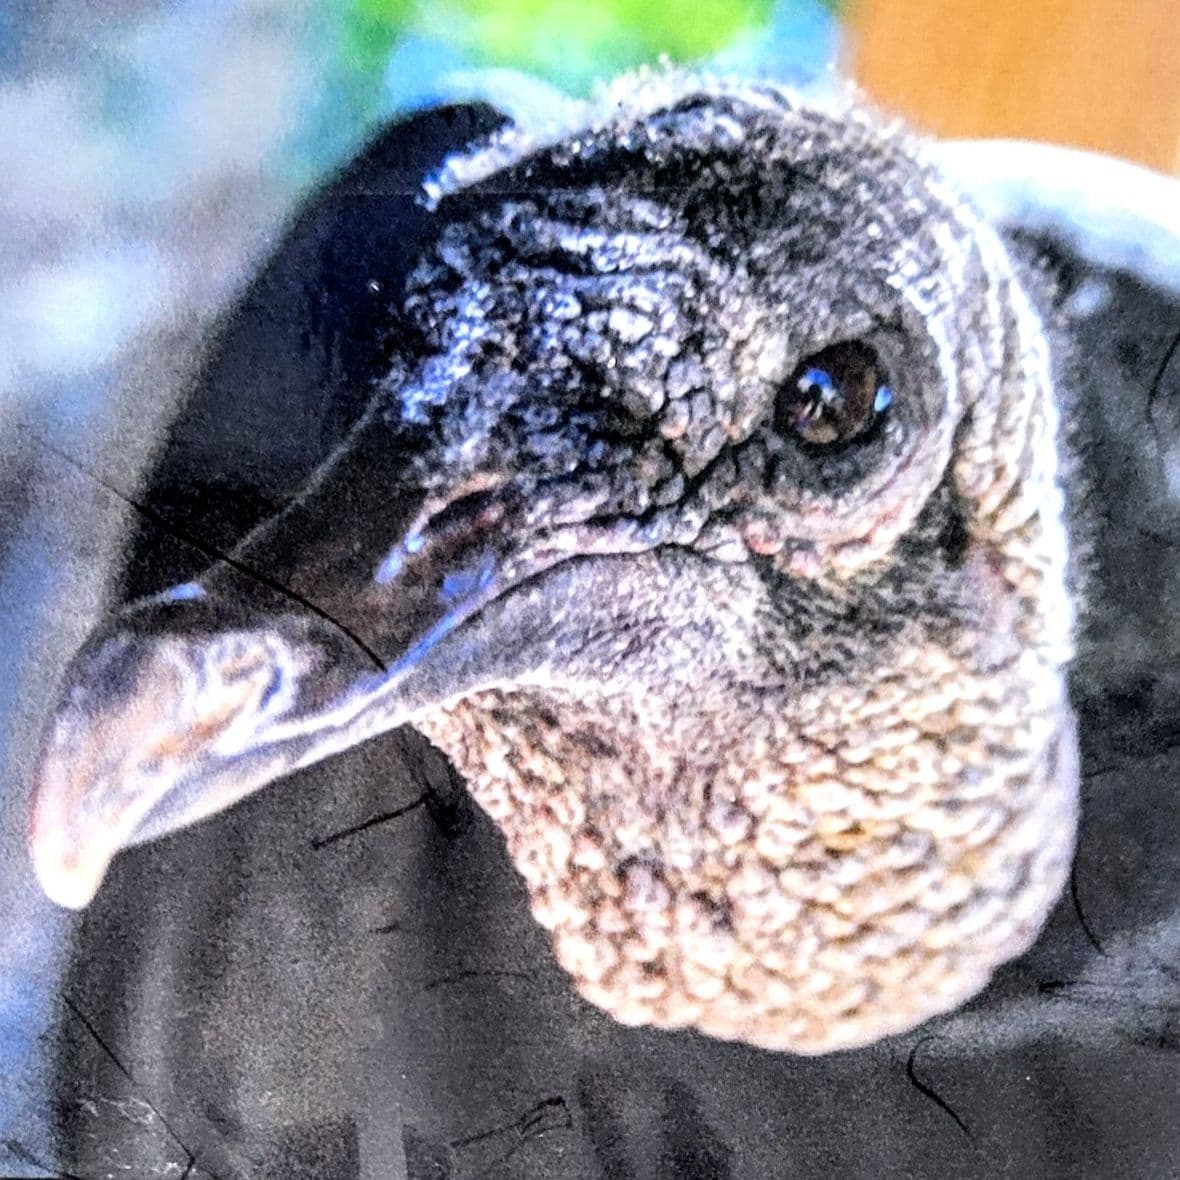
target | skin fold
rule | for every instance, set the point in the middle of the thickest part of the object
(773, 720)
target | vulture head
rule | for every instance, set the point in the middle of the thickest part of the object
(715, 533)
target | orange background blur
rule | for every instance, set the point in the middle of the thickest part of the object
(1098, 74)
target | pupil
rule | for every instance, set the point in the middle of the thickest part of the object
(834, 395)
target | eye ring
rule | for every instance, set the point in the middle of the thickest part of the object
(833, 396)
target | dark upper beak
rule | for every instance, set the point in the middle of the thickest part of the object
(342, 618)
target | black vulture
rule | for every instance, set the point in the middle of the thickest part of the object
(723, 417)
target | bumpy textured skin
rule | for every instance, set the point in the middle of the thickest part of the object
(822, 781)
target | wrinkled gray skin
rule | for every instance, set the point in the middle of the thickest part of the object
(777, 735)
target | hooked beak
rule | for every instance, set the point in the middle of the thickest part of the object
(185, 703)
(144, 718)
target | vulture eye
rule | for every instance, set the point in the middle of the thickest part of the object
(833, 396)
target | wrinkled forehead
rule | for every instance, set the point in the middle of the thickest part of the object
(713, 213)
(680, 260)
(750, 173)
(647, 127)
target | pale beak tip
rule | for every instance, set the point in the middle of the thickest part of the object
(68, 875)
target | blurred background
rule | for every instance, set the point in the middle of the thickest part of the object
(150, 154)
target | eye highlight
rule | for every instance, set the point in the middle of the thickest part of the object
(834, 395)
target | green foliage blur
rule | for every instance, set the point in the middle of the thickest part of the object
(376, 57)
(571, 42)
(584, 40)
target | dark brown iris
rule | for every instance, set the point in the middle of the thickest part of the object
(834, 395)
